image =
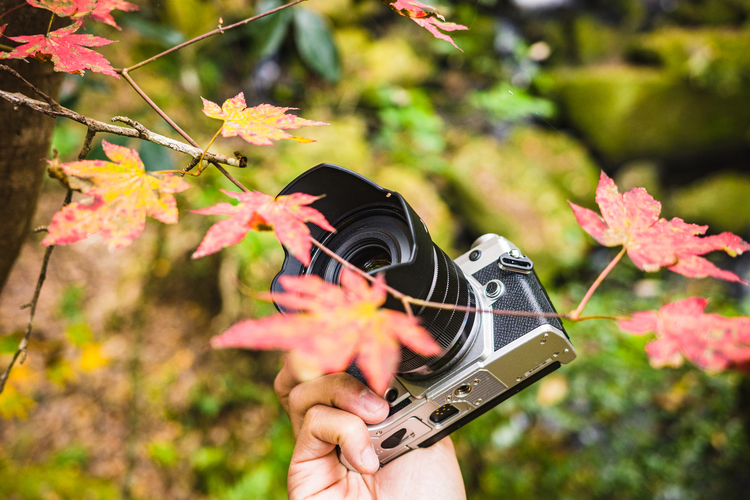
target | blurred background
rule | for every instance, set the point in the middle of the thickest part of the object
(120, 398)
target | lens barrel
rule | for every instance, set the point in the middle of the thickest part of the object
(377, 231)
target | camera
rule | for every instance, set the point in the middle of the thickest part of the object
(486, 357)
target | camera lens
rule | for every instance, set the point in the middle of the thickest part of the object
(377, 231)
(371, 258)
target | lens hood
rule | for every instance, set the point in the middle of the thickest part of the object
(349, 196)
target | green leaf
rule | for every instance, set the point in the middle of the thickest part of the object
(509, 103)
(315, 44)
(155, 157)
(269, 32)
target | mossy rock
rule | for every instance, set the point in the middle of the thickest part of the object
(518, 189)
(720, 200)
(711, 58)
(627, 113)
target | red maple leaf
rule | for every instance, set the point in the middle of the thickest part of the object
(333, 326)
(710, 341)
(122, 195)
(99, 10)
(67, 51)
(258, 125)
(285, 215)
(632, 220)
(427, 17)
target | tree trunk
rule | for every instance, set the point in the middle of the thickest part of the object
(25, 135)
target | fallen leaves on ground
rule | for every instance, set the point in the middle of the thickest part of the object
(260, 125)
(333, 326)
(122, 195)
(427, 17)
(67, 51)
(711, 341)
(285, 215)
(632, 220)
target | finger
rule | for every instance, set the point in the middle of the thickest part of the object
(338, 390)
(326, 427)
(283, 384)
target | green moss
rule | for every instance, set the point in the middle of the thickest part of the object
(713, 58)
(721, 201)
(628, 113)
(518, 189)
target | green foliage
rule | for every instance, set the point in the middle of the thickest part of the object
(315, 44)
(509, 103)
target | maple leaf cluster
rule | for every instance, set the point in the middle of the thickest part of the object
(121, 194)
(632, 220)
(711, 341)
(285, 215)
(427, 17)
(259, 125)
(334, 325)
(98, 10)
(67, 51)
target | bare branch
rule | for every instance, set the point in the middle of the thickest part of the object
(23, 345)
(156, 108)
(18, 99)
(184, 134)
(217, 31)
(41, 94)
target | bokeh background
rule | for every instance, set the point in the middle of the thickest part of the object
(120, 398)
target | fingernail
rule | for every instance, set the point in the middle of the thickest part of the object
(370, 459)
(371, 402)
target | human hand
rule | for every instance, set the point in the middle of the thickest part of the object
(332, 410)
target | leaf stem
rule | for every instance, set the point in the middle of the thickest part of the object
(200, 162)
(129, 79)
(217, 31)
(408, 300)
(576, 315)
(49, 28)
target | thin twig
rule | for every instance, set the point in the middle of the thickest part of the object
(23, 345)
(184, 134)
(156, 108)
(18, 99)
(40, 229)
(438, 305)
(217, 31)
(87, 142)
(12, 9)
(33, 87)
(577, 313)
(229, 176)
(124, 119)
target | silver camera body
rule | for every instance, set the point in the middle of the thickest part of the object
(486, 357)
(505, 355)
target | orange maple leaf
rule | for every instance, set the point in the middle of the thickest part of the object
(427, 17)
(99, 10)
(122, 195)
(632, 220)
(67, 51)
(285, 215)
(260, 125)
(710, 341)
(333, 326)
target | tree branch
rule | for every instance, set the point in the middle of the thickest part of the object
(18, 99)
(184, 134)
(217, 31)
(23, 345)
(33, 87)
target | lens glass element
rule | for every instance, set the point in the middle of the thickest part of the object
(371, 257)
